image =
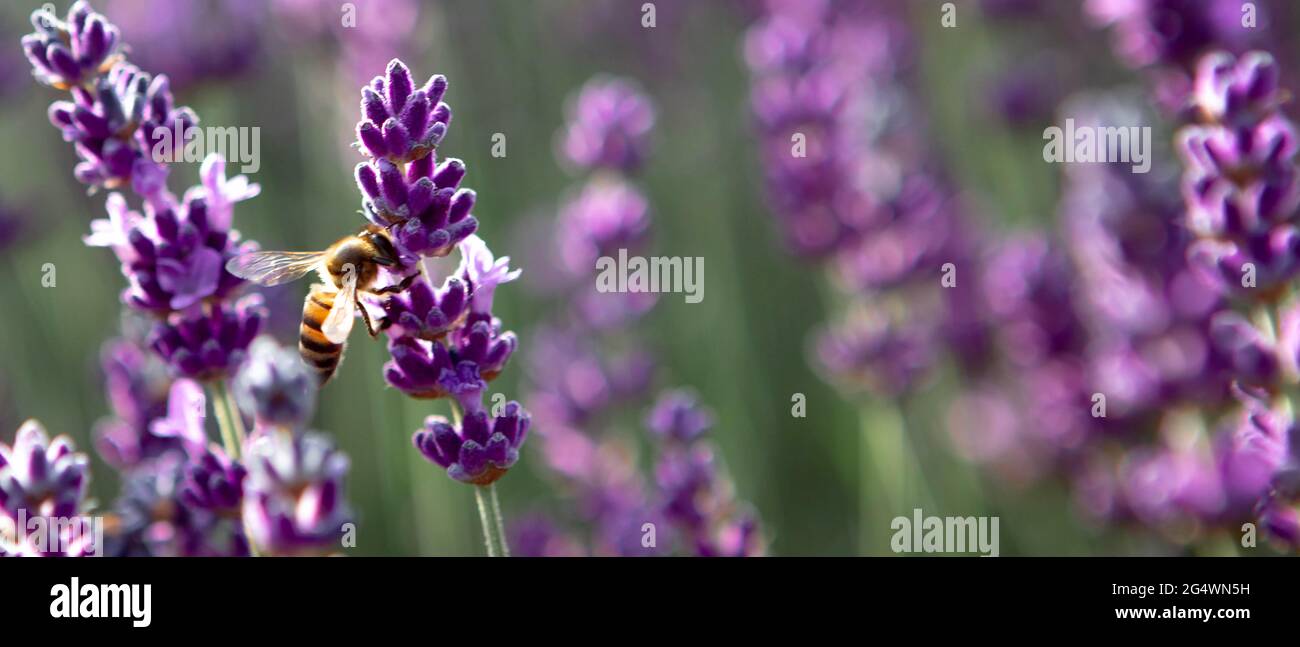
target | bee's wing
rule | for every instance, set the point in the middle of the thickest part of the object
(339, 322)
(274, 268)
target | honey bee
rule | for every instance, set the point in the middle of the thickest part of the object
(348, 268)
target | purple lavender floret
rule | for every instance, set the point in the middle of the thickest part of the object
(275, 388)
(429, 370)
(481, 450)
(609, 126)
(464, 384)
(417, 366)
(685, 477)
(679, 417)
(120, 129)
(401, 123)
(1253, 359)
(137, 386)
(1240, 182)
(293, 496)
(41, 476)
(424, 207)
(68, 53)
(157, 520)
(464, 299)
(609, 214)
(213, 482)
(1170, 32)
(1253, 453)
(212, 344)
(870, 351)
(185, 416)
(421, 311)
(482, 342)
(738, 537)
(483, 272)
(436, 336)
(174, 255)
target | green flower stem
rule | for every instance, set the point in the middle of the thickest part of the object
(232, 435)
(483, 519)
(501, 524)
(228, 438)
(481, 495)
(236, 419)
(891, 454)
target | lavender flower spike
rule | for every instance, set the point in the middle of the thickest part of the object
(481, 450)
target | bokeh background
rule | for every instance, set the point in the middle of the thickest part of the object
(824, 484)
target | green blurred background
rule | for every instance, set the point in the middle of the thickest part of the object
(825, 484)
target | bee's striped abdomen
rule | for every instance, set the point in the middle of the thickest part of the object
(317, 351)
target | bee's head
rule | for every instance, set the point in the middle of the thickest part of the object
(385, 254)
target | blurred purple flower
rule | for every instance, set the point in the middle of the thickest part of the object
(185, 415)
(1170, 32)
(868, 350)
(609, 125)
(192, 42)
(293, 496)
(159, 514)
(685, 476)
(275, 388)
(137, 387)
(68, 53)
(40, 476)
(678, 417)
(535, 535)
(606, 216)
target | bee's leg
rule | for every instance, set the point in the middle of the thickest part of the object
(393, 289)
(365, 316)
